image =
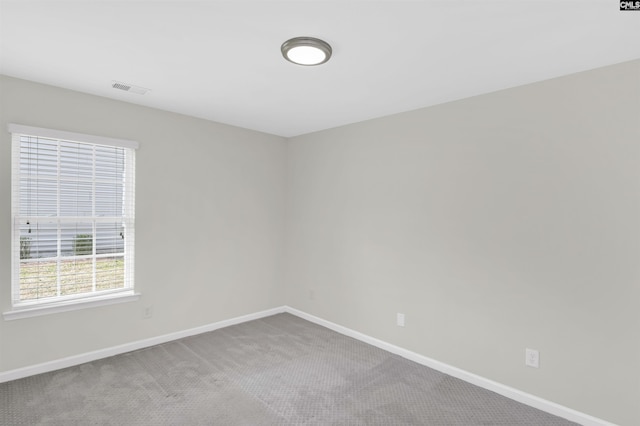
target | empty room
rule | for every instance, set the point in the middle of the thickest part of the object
(320, 212)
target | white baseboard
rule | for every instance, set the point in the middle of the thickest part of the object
(504, 390)
(509, 392)
(58, 364)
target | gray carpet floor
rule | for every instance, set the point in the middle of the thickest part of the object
(280, 370)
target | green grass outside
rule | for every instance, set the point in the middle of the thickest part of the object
(39, 279)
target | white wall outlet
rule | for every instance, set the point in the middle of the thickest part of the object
(532, 358)
(400, 320)
(148, 312)
(312, 295)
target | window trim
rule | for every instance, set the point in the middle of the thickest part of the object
(27, 309)
(70, 136)
(35, 310)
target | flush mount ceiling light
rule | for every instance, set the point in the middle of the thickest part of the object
(306, 51)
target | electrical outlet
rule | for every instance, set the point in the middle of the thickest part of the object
(400, 320)
(532, 358)
(148, 312)
(312, 295)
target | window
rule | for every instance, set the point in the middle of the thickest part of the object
(73, 218)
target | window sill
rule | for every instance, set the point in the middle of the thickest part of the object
(68, 305)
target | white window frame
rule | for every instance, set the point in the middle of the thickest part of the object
(37, 307)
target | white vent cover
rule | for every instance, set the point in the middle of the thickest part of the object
(129, 87)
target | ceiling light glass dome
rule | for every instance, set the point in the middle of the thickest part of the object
(306, 51)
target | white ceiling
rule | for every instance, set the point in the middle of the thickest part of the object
(221, 60)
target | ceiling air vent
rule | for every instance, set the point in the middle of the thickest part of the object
(129, 87)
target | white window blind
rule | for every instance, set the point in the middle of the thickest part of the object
(73, 205)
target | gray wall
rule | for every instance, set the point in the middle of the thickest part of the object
(209, 223)
(495, 223)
